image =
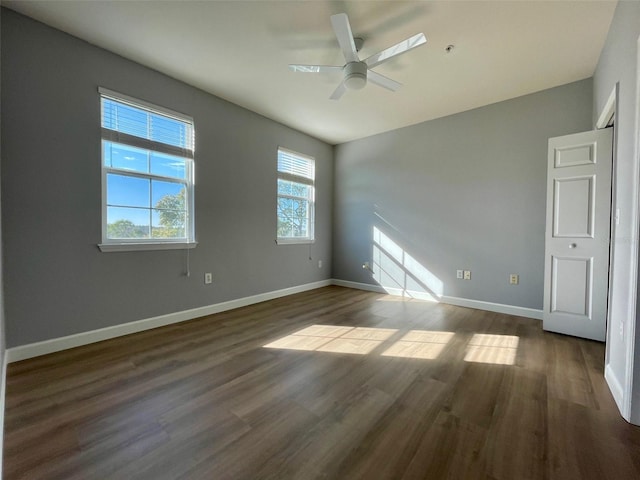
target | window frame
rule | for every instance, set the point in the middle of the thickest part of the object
(115, 137)
(310, 182)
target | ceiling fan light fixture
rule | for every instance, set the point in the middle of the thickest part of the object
(355, 75)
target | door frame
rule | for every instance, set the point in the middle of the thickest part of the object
(630, 340)
(606, 119)
(623, 393)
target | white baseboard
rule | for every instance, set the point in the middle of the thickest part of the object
(31, 350)
(616, 390)
(494, 307)
(358, 286)
(460, 302)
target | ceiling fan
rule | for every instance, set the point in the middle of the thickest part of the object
(356, 72)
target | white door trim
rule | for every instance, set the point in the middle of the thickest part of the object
(605, 119)
(635, 223)
(609, 109)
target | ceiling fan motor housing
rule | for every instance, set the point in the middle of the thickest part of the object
(355, 75)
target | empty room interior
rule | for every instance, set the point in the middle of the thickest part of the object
(320, 239)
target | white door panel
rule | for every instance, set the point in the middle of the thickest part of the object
(577, 234)
(571, 286)
(573, 207)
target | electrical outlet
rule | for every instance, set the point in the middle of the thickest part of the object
(459, 274)
(467, 274)
(514, 279)
(208, 278)
(319, 263)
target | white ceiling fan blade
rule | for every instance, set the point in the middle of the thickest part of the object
(315, 68)
(342, 29)
(338, 92)
(382, 81)
(397, 49)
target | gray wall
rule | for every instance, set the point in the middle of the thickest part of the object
(461, 192)
(619, 65)
(57, 282)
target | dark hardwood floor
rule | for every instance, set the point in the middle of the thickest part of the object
(404, 390)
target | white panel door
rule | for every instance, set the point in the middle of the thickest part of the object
(577, 234)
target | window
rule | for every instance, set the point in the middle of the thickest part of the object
(296, 195)
(147, 176)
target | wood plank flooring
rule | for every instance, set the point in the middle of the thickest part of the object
(333, 383)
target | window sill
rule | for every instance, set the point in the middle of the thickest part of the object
(133, 247)
(294, 241)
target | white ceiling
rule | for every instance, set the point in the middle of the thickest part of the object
(239, 50)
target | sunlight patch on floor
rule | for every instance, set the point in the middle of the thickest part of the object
(349, 345)
(334, 338)
(420, 344)
(495, 349)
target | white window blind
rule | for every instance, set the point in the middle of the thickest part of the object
(134, 122)
(296, 165)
